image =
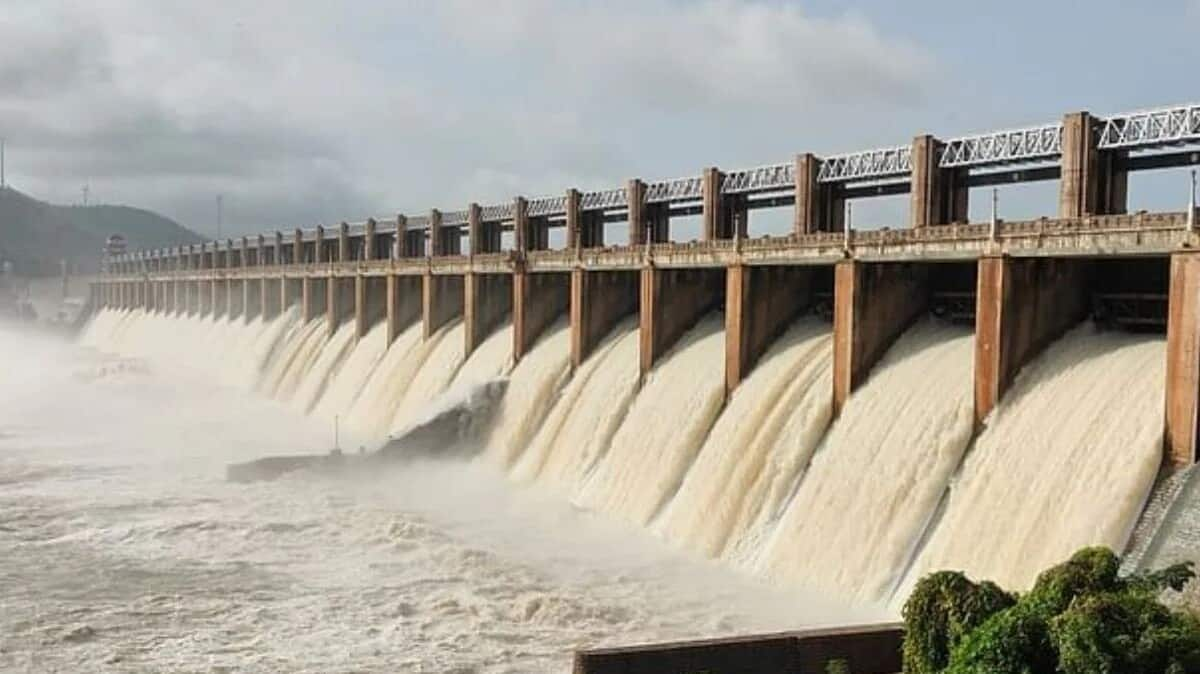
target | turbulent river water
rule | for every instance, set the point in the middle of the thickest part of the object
(124, 550)
(593, 507)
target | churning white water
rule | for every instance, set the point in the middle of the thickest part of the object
(877, 478)
(1067, 460)
(126, 550)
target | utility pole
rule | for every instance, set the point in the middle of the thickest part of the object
(220, 207)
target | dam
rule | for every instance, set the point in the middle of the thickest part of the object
(837, 408)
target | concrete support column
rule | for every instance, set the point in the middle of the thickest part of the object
(635, 195)
(404, 303)
(487, 300)
(234, 293)
(475, 240)
(436, 238)
(819, 207)
(760, 303)
(724, 216)
(872, 305)
(339, 301)
(220, 297)
(1093, 182)
(938, 196)
(522, 237)
(321, 251)
(1183, 360)
(369, 240)
(177, 300)
(671, 302)
(252, 298)
(441, 301)
(1022, 305)
(538, 300)
(343, 243)
(599, 299)
(268, 298)
(298, 247)
(306, 299)
(574, 219)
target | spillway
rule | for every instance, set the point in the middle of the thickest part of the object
(531, 387)
(663, 429)
(763, 482)
(726, 484)
(1066, 460)
(578, 429)
(877, 477)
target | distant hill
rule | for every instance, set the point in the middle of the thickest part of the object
(35, 235)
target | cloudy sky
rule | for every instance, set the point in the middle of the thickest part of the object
(303, 112)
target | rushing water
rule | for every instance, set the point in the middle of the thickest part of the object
(132, 553)
(880, 472)
(125, 549)
(1067, 460)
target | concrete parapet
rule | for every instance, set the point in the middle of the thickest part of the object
(760, 303)
(599, 299)
(1183, 359)
(487, 299)
(1022, 305)
(537, 300)
(671, 302)
(873, 303)
(442, 301)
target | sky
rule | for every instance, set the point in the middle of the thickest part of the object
(307, 112)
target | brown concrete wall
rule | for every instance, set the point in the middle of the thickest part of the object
(671, 302)
(538, 300)
(760, 303)
(1022, 305)
(599, 299)
(339, 301)
(404, 303)
(442, 301)
(487, 300)
(1183, 359)
(872, 305)
(370, 302)
(1092, 182)
(864, 650)
(252, 294)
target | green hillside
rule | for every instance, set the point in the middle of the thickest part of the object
(35, 235)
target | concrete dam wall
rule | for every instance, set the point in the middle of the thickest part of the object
(852, 488)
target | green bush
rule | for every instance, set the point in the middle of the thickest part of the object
(1080, 616)
(941, 610)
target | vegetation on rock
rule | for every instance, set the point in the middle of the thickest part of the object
(1080, 616)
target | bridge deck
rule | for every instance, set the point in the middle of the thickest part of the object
(1095, 236)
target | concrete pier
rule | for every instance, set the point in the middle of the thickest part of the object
(405, 302)
(671, 302)
(873, 303)
(442, 301)
(537, 301)
(487, 301)
(1021, 307)
(599, 300)
(1183, 359)
(760, 303)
